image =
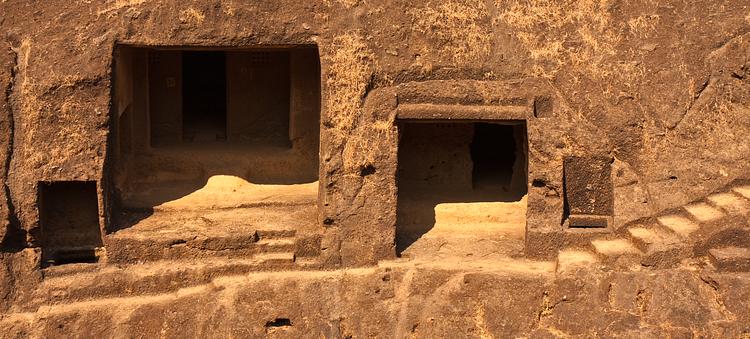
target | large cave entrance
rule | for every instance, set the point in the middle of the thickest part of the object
(184, 115)
(230, 132)
(461, 180)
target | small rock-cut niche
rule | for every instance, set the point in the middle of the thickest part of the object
(278, 322)
(458, 177)
(589, 197)
(69, 219)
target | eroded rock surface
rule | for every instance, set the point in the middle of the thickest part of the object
(296, 230)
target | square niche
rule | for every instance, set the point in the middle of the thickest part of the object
(69, 218)
(462, 177)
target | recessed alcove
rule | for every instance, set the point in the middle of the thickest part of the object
(69, 219)
(459, 179)
(588, 193)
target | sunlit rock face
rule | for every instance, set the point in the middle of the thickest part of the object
(352, 168)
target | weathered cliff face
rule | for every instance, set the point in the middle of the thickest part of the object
(7, 60)
(660, 89)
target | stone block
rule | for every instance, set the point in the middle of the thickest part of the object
(588, 190)
(736, 259)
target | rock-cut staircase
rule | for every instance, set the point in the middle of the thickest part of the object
(716, 227)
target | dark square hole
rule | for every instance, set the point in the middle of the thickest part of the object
(493, 155)
(69, 218)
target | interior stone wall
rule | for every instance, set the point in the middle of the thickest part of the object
(435, 154)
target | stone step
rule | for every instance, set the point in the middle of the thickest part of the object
(308, 263)
(678, 224)
(279, 233)
(644, 238)
(730, 203)
(81, 282)
(609, 249)
(660, 248)
(276, 258)
(134, 249)
(570, 260)
(733, 259)
(277, 245)
(742, 190)
(665, 255)
(703, 212)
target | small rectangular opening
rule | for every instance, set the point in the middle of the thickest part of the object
(69, 218)
(465, 178)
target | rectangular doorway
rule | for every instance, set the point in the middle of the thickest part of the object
(204, 96)
(461, 179)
